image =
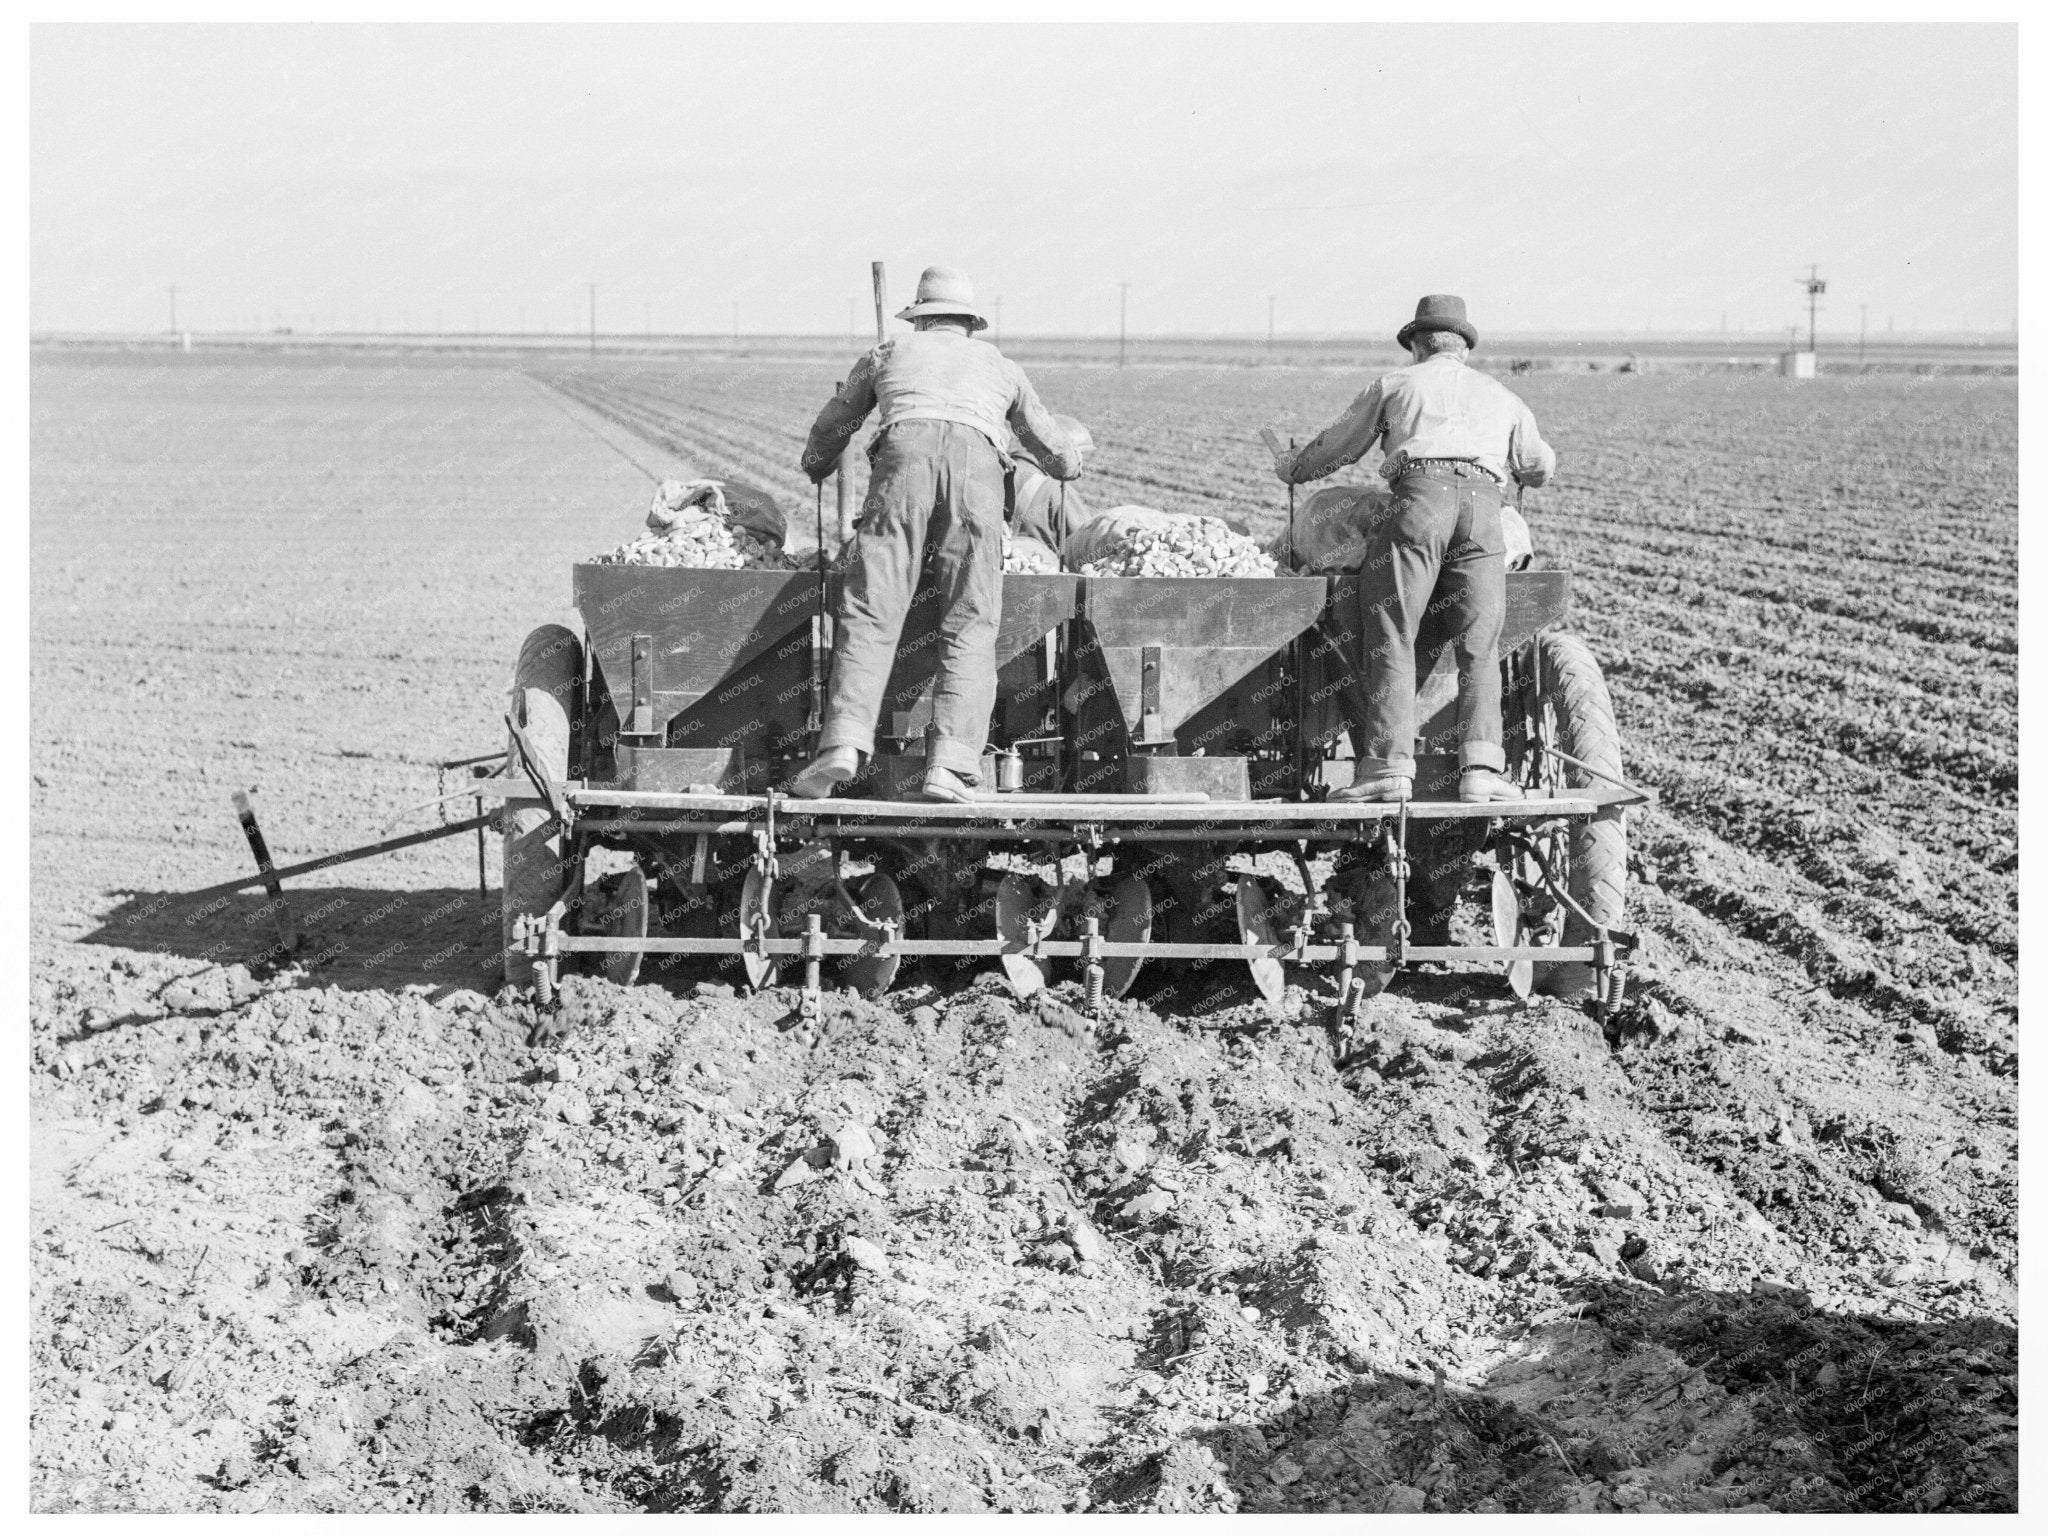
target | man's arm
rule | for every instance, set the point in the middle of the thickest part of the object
(1344, 441)
(840, 419)
(1034, 425)
(1531, 460)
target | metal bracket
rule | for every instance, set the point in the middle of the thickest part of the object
(642, 717)
(1151, 664)
(812, 1003)
(1632, 794)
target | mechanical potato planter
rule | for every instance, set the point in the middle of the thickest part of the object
(1157, 780)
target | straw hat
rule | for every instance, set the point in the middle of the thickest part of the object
(1438, 312)
(945, 291)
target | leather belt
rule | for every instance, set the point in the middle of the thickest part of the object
(1461, 467)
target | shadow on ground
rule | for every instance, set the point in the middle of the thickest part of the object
(347, 936)
(1639, 1400)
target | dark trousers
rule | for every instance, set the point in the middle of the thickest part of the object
(1438, 548)
(935, 499)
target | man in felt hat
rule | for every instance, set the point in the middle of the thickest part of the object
(948, 403)
(1454, 440)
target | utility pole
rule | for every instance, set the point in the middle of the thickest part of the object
(1862, 333)
(735, 319)
(1815, 285)
(648, 329)
(174, 309)
(1123, 305)
(1270, 302)
(851, 306)
(999, 321)
(593, 317)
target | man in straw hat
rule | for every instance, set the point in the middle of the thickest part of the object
(948, 403)
(1454, 440)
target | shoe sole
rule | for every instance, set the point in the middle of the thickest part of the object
(1374, 798)
(831, 782)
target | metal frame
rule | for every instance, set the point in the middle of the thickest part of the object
(1090, 823)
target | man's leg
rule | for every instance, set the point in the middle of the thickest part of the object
(1395, 587)
(967, 573)
(1473, 589)
(879, 582)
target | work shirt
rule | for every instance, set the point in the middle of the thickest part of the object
(940, 376)
(1439, 409)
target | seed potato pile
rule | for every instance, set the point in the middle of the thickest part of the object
(702, 540)
(1026, 555)
(690, 524)
(1190, 546)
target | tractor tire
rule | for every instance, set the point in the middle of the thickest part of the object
(1599, 847)
(544, 687)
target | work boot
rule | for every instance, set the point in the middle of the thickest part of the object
(1378, 786)
(1476, 786)
(944, 784)
(832, 767)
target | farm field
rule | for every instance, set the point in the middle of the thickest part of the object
(326, 1235)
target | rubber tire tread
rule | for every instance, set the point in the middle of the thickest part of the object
(543, 690)
(1599, 872)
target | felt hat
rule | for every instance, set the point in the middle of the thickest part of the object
(1438, 312)
(945, 291)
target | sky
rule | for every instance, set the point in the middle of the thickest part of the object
(1562, 178)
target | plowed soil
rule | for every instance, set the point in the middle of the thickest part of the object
(320, 1230)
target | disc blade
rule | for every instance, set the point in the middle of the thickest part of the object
(1507, 910)
(1015, 897)
(754, 894)
(624, 916)
(1381, 912)
(1130, 922)
(881, 901)
(1255, 926)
